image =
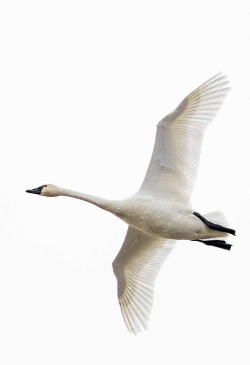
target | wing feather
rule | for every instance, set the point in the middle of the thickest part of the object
(175, 159)
(136, 267)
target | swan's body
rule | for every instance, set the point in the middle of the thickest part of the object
(160, 212)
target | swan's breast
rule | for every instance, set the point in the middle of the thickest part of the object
(153, 216)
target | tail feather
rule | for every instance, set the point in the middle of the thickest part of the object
(217, 217)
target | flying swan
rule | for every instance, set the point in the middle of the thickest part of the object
(160, 212)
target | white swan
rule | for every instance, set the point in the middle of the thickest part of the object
(160, 212)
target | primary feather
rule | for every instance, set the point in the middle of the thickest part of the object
(136, 267)
(174, 162)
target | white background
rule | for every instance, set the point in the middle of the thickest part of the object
(82, 86)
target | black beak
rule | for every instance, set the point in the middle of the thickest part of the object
(36, 190)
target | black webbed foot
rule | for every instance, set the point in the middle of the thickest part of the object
(216, 243)
(216, 227)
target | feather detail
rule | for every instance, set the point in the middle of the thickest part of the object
(136, 268)
(175, 159)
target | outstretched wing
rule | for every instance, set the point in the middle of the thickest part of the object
(136, 267)
(174, 162)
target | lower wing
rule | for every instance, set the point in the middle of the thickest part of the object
(136, 267)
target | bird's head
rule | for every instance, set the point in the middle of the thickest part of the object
(45, 190)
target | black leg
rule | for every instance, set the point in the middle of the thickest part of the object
(216, 243)
(216, 227)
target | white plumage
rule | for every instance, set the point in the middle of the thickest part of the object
(136, 267)
(174, 162)
(160, 212)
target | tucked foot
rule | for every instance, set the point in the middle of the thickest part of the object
(216, 243)
(216, 227)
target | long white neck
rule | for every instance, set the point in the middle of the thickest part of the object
(109, 205)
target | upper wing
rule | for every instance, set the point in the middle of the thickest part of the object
(174, 162)
(136, 267)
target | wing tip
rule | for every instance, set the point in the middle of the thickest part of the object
(135, 318)
(219, 80)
